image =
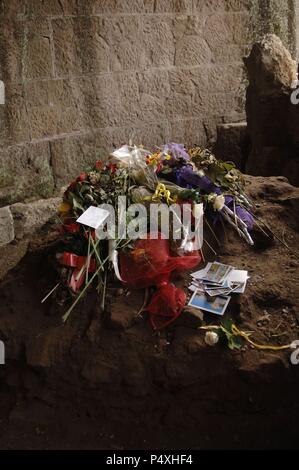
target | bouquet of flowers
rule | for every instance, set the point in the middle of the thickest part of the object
(190, 179)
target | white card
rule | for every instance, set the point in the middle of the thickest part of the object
(93, 217)
(238, 276)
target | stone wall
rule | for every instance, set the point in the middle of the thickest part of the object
(83, 76)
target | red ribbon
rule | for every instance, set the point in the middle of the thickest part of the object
(77, 262)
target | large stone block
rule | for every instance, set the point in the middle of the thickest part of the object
(72, 155)
(189, 132)
(80, 47)
(110, 100)
(154, 82)
(233, 143)
(212, 6)
(238, 5)
(36, 54)
(123, 6)
(28, 218)
(189, 81)
(54, 107)
(25, 49)
(203, 6)
(125, 98)
(228, 29)
(12, 9)
(173, 6)
(223, 78)
(7, 233)
(89, 45)
(11, 40)
(68, 106)
(153, 109)
(150, 136)
(25, 173)
(191, 51)
(15, 117)
(184, 25)
(178, 105)
(123, 34)
(38, 8)
(157, 43)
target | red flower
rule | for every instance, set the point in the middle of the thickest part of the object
(159, 167)
(112, 167)
(71, 228)
(99, 164)
(82, 177)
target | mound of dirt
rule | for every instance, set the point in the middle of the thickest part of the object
(107, 381)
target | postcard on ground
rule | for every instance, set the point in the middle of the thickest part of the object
(217, 273)
(239, 278)
(201, 273)
(216, 292)
(216, 305)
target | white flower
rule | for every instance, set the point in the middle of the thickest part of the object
(219, 203)
(197, 211)
(211, 338)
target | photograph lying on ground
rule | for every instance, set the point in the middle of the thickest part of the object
(204, 302)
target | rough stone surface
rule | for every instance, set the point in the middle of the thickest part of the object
(20, 225)
(28, 218)
(273, 121)
(270, 66)
(103, 71)
(233, 143)
(6, 226)
(25, 172)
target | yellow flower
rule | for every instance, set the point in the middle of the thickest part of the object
(64, 208)
(137, 252)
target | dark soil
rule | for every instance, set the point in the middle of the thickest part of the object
(107, 381)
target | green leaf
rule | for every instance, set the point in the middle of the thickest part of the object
(235, 342)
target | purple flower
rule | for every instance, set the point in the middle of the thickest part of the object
(187, 177)
(176, 151)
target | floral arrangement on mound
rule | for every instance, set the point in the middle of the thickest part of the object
(173, 174)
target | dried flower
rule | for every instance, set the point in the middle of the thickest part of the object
(94, 177)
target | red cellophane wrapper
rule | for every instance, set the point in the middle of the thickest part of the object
(151, 263)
